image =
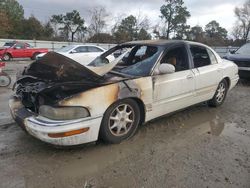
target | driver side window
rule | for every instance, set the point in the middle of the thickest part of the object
(20, 46)
(177, 57)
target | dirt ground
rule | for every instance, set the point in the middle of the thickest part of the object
(196, 147)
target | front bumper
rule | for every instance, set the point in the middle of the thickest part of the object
(244, 72)
(41, 127)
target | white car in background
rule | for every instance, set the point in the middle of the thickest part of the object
(80, 53)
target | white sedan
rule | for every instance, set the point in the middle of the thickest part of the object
(62, 102)
(83, 54)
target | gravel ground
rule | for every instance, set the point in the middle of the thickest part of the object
(196, 147)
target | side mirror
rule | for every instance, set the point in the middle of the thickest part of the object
(166, 68)
(232, 51)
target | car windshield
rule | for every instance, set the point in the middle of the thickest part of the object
(133, 60)
(66, 48)
(244, 50)
(8, 44)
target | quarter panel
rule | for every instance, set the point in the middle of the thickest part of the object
(98, 100)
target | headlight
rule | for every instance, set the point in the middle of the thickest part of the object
(63, 113)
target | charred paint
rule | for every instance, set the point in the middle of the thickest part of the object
(96, 100)
(128, 89)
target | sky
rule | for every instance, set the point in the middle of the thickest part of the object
(202, 11)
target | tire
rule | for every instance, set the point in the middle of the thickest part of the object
(220, 94)
(120, 121)
(5, 80)
(34, 56)
(6, 57)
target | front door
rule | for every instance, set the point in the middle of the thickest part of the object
(19, 50)
(174, 91)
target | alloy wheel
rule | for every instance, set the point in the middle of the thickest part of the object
(121, 120)
(221, 92)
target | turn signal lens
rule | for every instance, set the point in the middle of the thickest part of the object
(69, 133)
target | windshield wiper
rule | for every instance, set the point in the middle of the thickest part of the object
(122, 74)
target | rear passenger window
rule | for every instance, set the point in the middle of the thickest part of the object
(200, 55)
(94, 49)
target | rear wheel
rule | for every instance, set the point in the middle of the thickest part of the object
(5, 80)
(120, 121)
(6, 57)
(220, 94)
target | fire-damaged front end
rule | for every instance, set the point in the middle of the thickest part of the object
(40, 89)
(61, 102)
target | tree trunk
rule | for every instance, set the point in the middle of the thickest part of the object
(247, 33)
(169, 23)
(168, 31)
(72, 36)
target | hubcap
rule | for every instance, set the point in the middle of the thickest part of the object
(121, 120)
(6, 57)
(4, 81)
(221, 91)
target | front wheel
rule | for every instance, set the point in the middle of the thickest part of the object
(6, 57)
(120, 121)
(5, 80)
(220, 94)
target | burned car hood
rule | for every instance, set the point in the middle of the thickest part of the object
(59, 68)
(55, 77)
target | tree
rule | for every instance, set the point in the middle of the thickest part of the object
(143, 35)
(13, 9)
(56, 22)
(74, 23)
(182, 31)
(15, 14)
(237, 32)
(5, 24)
(214, 30)
(48, 31)
(99, 17)
(69, 24)
(32, 28)
(101, 38)
(196, 34)
(174, 14)
(243, 15)
(130, 29)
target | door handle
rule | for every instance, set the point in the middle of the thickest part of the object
(190, 76)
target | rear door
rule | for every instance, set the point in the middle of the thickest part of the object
(176, 90)
(207, 71)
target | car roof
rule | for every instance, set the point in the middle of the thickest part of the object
(77, 45)
(162, 42)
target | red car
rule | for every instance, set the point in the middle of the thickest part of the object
(19, 50)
